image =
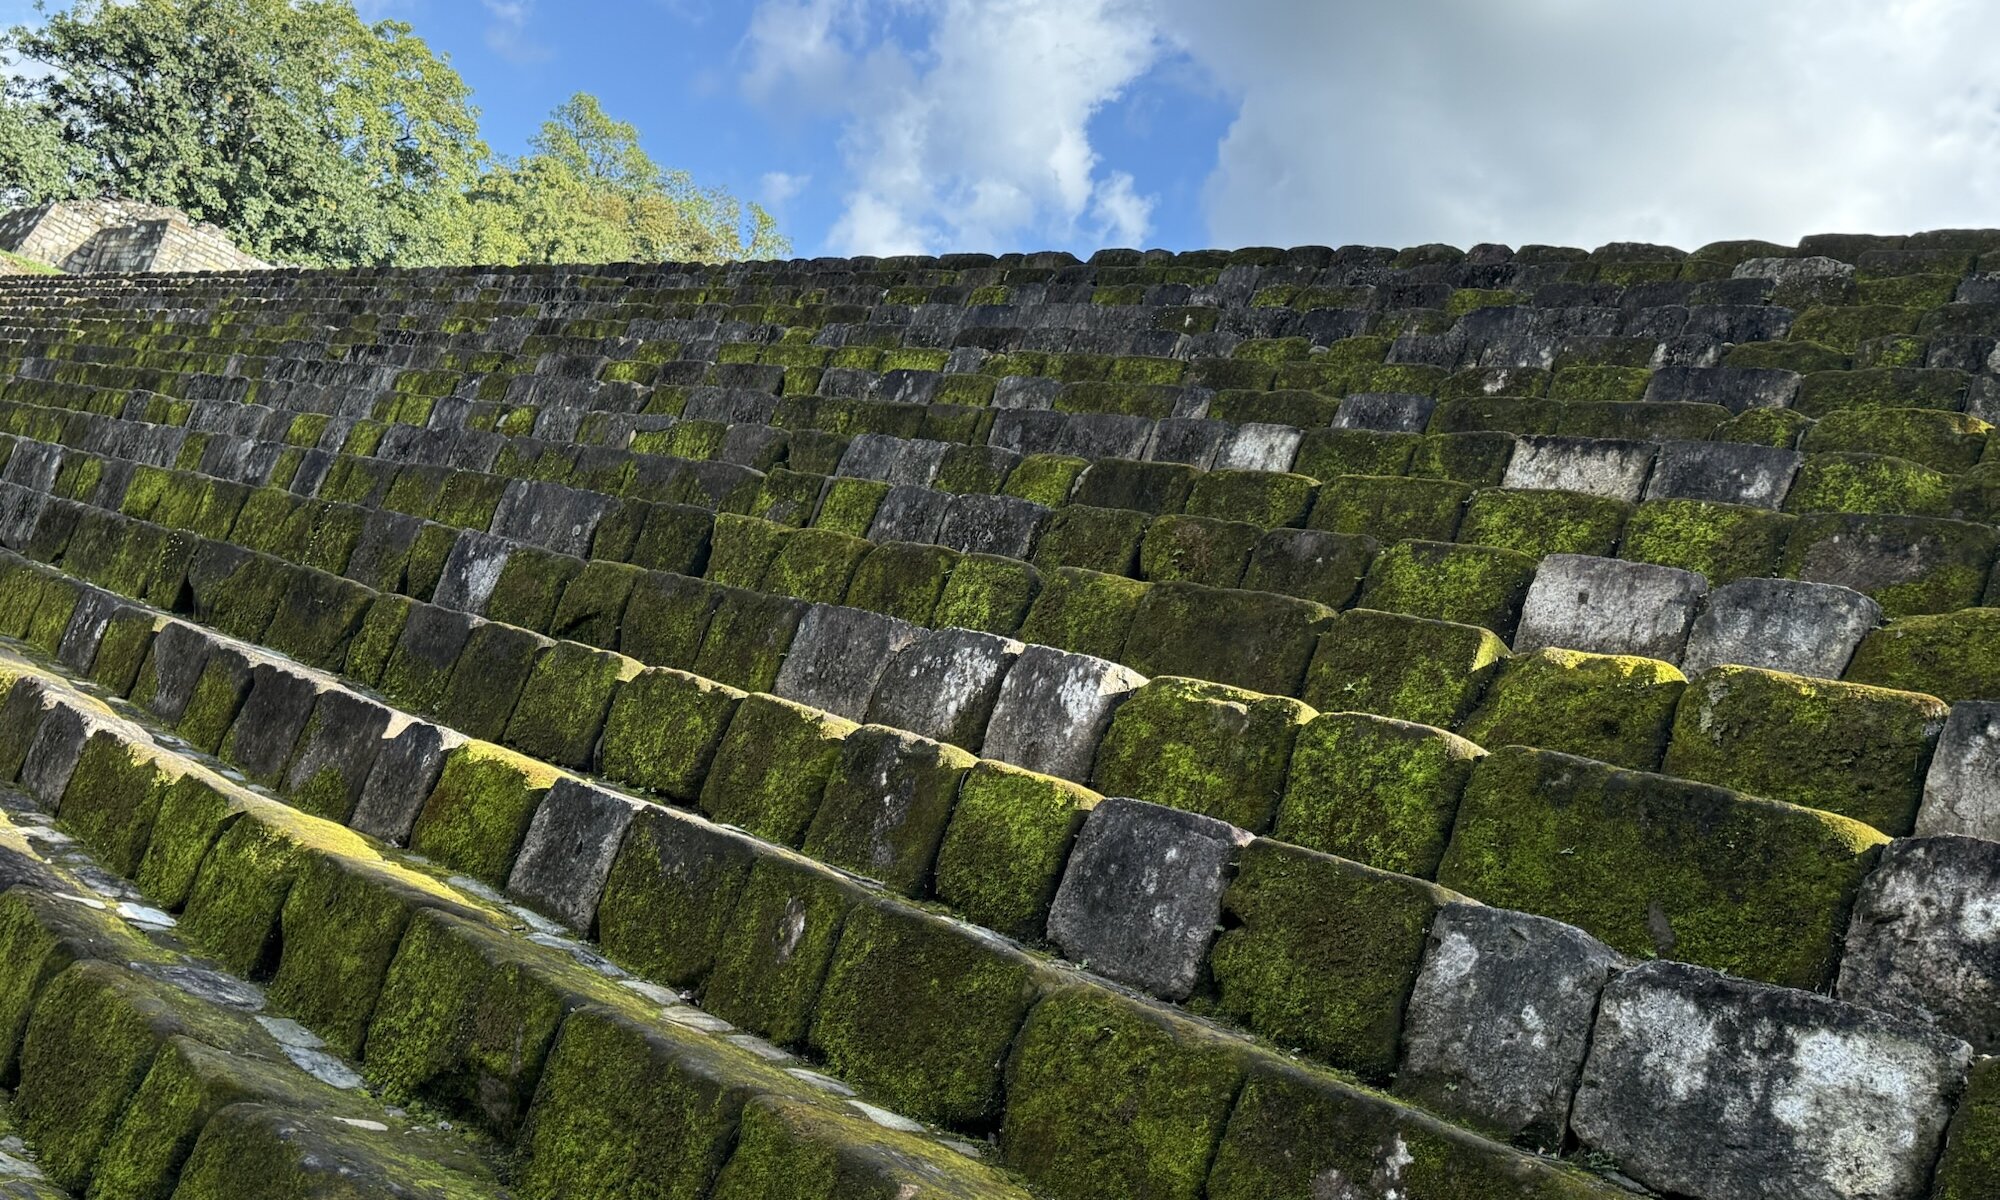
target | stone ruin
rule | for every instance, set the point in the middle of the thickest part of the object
(1315, 724)
(119, 237)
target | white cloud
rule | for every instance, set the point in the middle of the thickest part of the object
(778, 187)
(977, 137)
(507, 33)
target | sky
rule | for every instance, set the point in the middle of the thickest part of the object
(899, 126)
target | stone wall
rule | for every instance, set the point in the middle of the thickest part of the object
(106, 237)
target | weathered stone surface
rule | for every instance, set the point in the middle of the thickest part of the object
(337, 752)
(472, 571)
(1781, 625)
(1724, 473)
(1053, 709)
(69, 721)
(838, 656)
(943, 684)
(1003, 525)
(1924, 942)
(1608, 606)
(1394, 412)
(1499, 1021)
(1704, 1085)
(274, 715)
(1142, 893)
(172, 668)
(1962, 788)
(1594, 466)
(1737, 388)
(568, 852)
(908, 514)
(1258, 447)
(406, 768)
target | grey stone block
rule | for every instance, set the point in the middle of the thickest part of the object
(1962, 790)
(1105, 435)
(550, 515)
(1190, 440)
(899, 462)
(1053, 709)
(1027, 431)
(1735, 388)
(1702, 1085)
(173, 666)
(943, 685)
(331, 763)
(87, 622)
(1795, 272)
(1391, 412)
(1259, 447)
(1026, 392)
(471, 571)
(1924, 941)
(1142, 893)
(1499, 1021)
(568, 852)
(273, 716)
(1609, 606)
(1982, 399)
(406, 769)
(69, 720)
(1594, 466)
(908, 514)
(837, 657)
(975, 523)
(1781, 625)
(1724, 473)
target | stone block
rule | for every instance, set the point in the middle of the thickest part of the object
(815, 565)
(427, 647)
(1661, 867)
(1722, 542)
(1053, 709)
(838, 656)
(475, 817)
(1142, 894)
(1724, 473)
(1467, 585)
(1105, 540)
(1606, 606)
(1922, 945)
(1962, 787)
(272, 719)
(909, 514)
(1908, 565)
(567, 853)
(903, 580)
(1202, 748)
(1152, 487)
(405, 770)
(550, 515)
(1328, 453)
(885, 806)
(1390, 508)
(1781, 625)
(1395, 412)
(1539, 522)
(772, 955)
(942, 685)
(1846, 748)
(1616, 470)
(1084, 612)
(746, 638)
(1254, 640)
(1002, 525)
(1408, 668)
(1198, 550)
(1374, 790)
(487, 681)
(471, 572)
(1736, 388)
(1258, 447)
(662, 731)
(1004, 850)
(1702, 1085)
(1499, 1021)
(1613, 708)
(769, 771)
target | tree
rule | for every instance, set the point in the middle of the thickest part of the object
(36, 164)
(311, 137)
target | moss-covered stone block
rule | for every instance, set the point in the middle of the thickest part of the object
(1643, 420)
(1970, 1166)
(1822, 393)
(1943, 441)
(662, 731)
(1329, 453)
(1374, 790)
(1152, 487)
(475, 817)
(885, 806)
(1723, 542)
(233, 911)
(1476, 458)
(1846, 326)
(745, 643)
(676, 538)
(531, 581)
(1908, 565)
(1539, 523)
(1953, 656)
(1801, 356)
(1105, 540)
(563, 704)
(1611, 707)
(1661, 867)
(1321, 953)
(670, 893)
(988, 594)
(816, 565)
(1391, 508)
(1266, 499)
(1497, 415)
(1045, 479)
(42, 935)
(1405, 668)
(1004, 849)
(114, 795)
(1778, 427)
(902, 580)
(1846, 748)
(1254, 640)
(1597, 384)
(1084, 612)
(486, 684)
(666, 618)
(1201, 550)
(1201, 747)
(920, 1011)
(1870, 483)
(1110, 1096)
(788, 1150)
(777, 945)
(1469, 585)
(771, 765)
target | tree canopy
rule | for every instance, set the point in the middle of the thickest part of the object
(315, 138)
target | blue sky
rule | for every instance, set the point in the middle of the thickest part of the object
(884, 126)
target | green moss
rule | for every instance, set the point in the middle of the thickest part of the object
(1083, 612)
(488, 679)
(1894, 350)
(1328, 453)
(1377, 791)
(663, 729)
(902, 580)
(776, 947)
(1661, 867)
(787, 1150)
(1801, 356)
(1405, 668)
(669, 895)
(1254, 640)
(1536, 523)
(1267, 499)
(1611, 707)
(428, 554)
(41, 935)
(1202, 550)
(1294, 402)
(1724, 542)
(1953, 656)
(1470, 585)
(1846, 748)
(1109, 1096)
(189, 821)
(675, 538)
(1908, 565)
(746, 639)
(986, 593)
(1846, 326)
(233, 911)
(1321, 954)
(1201, 747)
(848, 505)
(1598, 384)
(531, 581)
(1004, 850)
(1970, 1168)
(114, 796)
(593, 603)
(1869, 483)
(1497, 414)
(474, 819)
(1390, 508)
(1104, 540)
(217, 697)
(666, 618)
(920, 1012)
(562, 706)
(1045, 479)
(1826, 392)
(770, 766)
(121, 651)
(885, 806)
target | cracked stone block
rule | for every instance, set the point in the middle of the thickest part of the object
(1141, 897)
(1924, 941)
(1499, 1021)
(1593, 466)
(1962, 788)
(1724, 473)
(1699, 1084)
(1608, 606)
(838, 656)
(943, 685)
(1053, 709)
(567, 854)
(1781, 625)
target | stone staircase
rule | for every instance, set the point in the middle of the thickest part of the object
(1311, 723)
